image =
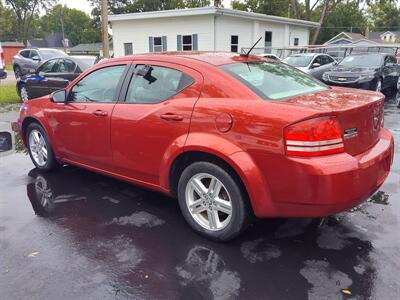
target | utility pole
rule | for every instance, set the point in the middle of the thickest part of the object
(62, 27)
(104, 28)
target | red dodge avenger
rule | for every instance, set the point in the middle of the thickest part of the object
(231, 137)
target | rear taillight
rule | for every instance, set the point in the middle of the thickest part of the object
(315, 137)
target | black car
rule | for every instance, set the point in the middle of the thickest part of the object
(371, 71)
(54, 74)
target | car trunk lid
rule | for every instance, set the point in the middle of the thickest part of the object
(360, 114)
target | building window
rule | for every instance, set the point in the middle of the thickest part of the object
(187, 43)
(296, 42)
(234, 43)
(268, 41)
(128, 48)
(157, 43)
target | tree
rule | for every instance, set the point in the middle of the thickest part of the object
(268, 7)
(78, 27)
(385, 16)
(345, 17)
(25, 11)
(8, 24)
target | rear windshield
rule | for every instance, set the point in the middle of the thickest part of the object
(298, 60)
(273, 81)
(47, 54)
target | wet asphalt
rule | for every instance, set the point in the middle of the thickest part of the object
(74, 234)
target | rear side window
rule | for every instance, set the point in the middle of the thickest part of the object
(273, 81)
(24, 53)
(98, 86)
(153, 84)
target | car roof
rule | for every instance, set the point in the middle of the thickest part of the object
(308, 54)
(212, 58)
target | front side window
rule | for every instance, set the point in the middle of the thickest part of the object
(187, 43)
(48, 67)
(273, 81)
(154, 84)
(234, 43)
(25, 53)
(33, 54)
(98, 86)
(66, 66)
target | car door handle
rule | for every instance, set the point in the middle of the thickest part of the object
(171, 117)
(100, 113)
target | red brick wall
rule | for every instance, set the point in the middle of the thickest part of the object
(9, 53)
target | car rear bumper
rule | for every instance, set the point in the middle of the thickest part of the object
(322, 186)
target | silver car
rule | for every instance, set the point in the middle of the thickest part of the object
(27, 60)
(315, 64)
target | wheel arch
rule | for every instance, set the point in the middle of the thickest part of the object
(239, 165)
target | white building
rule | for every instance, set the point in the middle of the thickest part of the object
(204, 29)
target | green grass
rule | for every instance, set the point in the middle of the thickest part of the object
(9, 67)
(8, 94)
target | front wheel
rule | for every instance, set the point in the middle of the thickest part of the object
(378, 87)
(40, 150)
(23, 93)
(213, 202)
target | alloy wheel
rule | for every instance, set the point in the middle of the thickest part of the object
(208, 201)
(378, 86)
(24, 94)
(38, 147)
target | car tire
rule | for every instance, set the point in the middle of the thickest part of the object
(39, 148)
(17, 72)
(221, 215)
(23, 93)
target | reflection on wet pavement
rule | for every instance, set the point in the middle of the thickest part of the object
(99, 238)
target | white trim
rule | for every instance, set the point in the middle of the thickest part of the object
(315, 149)
(316, 143)
(210, 11)
(332, 39)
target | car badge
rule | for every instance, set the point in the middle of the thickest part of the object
(350, 133)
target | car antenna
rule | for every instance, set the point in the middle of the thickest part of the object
(251, 49)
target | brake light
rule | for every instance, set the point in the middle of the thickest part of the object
(315, 137)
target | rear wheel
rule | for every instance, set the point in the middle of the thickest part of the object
(40, 150)
(213, 201)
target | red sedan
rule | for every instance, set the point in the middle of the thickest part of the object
(230, 136)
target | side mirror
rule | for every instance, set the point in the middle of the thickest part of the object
(315, 65)
(335, 63)
(59, 96)
(36, 58)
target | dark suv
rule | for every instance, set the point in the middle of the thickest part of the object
(27, 60)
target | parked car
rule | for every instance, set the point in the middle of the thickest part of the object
(223, 133)
(315, 64)
(3, 73)
(27, 60)
(373, 71)
(54, 74)
(270, 56)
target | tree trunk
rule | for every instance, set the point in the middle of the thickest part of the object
(295, 8)
(321, 21)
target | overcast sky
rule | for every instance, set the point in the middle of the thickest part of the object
(85, 5)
